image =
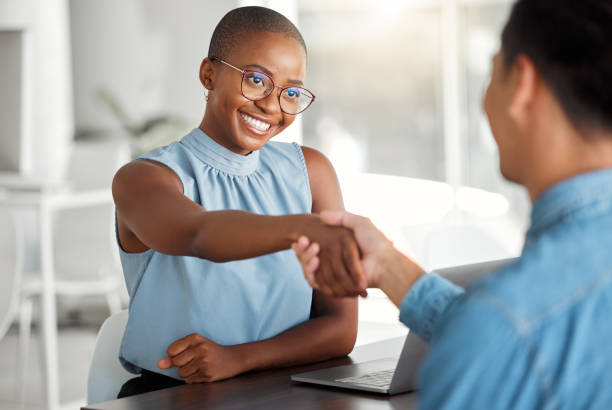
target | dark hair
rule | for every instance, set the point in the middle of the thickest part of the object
(244, 20)
(570, 43)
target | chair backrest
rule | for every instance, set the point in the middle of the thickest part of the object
(11, 266)
(93, 163)
(106, 375)
(84, 237)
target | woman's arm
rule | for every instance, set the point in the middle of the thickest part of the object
(152, 212)
(330, 332)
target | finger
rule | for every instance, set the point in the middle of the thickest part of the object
(184, 357)
(165, 363)
(183, 344)
(352, 265)
(341, 281)
(309, 272)
(199, 377)
(311, 268)
(300, 245)
(189, 369)
(306, 254)
(321, 282)
(309, 261)
(343, 218)
(311, 252)
(303, 241)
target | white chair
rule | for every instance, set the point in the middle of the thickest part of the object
(86, 259)
(106, 375)
(11, 260)
(11, 268)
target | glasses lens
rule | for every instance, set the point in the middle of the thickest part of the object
(256, 85)
(294, 100)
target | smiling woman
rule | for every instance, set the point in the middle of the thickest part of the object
(225, 193)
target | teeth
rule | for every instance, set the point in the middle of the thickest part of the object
(260, 125)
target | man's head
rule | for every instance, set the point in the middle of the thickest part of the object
(250, 38)
(552, 75)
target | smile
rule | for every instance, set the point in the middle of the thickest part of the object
(255, 123)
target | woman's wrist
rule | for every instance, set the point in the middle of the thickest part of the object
(299, 225)
(245, 356)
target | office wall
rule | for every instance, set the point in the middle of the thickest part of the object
(145, 53)
(47, 122)
(11, 42)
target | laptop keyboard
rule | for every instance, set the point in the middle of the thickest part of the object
(381, 379)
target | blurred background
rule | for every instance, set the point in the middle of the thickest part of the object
(85, 85)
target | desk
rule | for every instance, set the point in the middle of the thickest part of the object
(46, 200)
(273, 389)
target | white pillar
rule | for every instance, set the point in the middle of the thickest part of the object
(451, 92)
(51, 82)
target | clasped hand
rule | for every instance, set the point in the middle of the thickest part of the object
(322, 264)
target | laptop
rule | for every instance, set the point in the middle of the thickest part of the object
(386, 376)
(392, 375)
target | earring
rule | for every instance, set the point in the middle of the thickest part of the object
(206, 95)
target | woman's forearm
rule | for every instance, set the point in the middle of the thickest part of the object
(318, 339)
(222, 236)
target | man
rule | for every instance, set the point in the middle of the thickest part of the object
(536, 333)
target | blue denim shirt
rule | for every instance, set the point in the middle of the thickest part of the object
(537, 333)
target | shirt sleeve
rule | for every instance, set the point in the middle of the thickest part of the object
(478, 360)
(425, 303)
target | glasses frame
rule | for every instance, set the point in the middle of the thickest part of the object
(244, 72)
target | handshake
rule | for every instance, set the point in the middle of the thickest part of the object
(345, 262)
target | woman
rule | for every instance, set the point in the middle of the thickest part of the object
(205, 224)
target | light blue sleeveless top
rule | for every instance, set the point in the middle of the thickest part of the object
(232, 302)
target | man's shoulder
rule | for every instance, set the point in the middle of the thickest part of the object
(541, 286)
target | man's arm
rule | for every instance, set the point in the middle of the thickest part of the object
(478, 360)
(422, 298)
(331, 331)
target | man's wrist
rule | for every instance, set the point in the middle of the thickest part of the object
(400, 273)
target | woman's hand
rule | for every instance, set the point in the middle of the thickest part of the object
(383, 266)
(339, 269)
(201, 360)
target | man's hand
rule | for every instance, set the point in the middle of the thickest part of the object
(339, 271)
(384, 266)
(375, 248)
(201, 360)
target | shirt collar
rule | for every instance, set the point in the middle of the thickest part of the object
(217, 156)
(571, 196)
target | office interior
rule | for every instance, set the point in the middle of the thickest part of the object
(87, 85)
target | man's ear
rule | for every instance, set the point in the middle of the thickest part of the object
(207, 73)
(525, 82)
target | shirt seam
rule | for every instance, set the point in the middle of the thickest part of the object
(300, 153)
(523, 331)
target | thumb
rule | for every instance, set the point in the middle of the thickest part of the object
(334, 217)
(165, 363)
(342, 218)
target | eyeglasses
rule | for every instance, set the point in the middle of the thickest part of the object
(257, 86)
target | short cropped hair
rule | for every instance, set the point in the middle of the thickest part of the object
(238, 23)
(569, 41)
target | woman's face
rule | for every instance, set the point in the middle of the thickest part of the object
(232, 120)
